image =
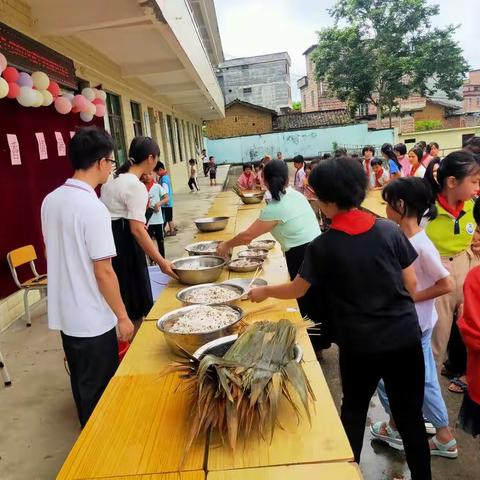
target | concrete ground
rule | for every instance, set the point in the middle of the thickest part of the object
(38, 422)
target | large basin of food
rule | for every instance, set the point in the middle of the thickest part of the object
(210, 294)
(189, 328)
(253, 253)
(211, 224)
(262, 244)
(251, 198)
(202, 248)
(198, 269)
(245, 264)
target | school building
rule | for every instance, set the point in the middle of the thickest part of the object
(154, 60)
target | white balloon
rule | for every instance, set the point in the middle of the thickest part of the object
(47, 98)
(88, 93)
(40, 80)
(86, 116)
(92, 109)
(3, 62)
(68, 96)
(38, 99)
(4, 88)
(27, 96)
(102, 95)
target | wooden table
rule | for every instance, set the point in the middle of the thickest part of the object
(139, 428)
(375, 204)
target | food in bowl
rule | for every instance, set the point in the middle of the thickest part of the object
(253, 254)
(203, 319)
(191, 266)
(209, 295)
(244, 262)
(262, 244)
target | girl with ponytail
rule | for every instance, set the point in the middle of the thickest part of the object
(394, 165)
(126, 198)
(454, 182)
(292, 222)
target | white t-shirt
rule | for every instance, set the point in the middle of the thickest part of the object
(429, 270)
(125, 197)
(77, 231)
(420, 172)
(154, 196)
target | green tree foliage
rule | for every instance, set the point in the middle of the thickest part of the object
(424, 125)
(383, 50)
(296, 106)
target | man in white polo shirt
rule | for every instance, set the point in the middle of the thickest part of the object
(84, 300)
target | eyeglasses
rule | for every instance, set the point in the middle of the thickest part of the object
(111, 160)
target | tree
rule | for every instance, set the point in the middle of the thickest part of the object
(388, 51)
(296, 106)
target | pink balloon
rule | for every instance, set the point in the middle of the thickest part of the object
(54, 89)
(98, 101)
(75, 109)
(80, 102)
(13, 90)
(10, 74)
(100, 110)
(62, 105)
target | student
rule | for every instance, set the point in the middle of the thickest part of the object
(84, 300)
(247, 180)
(415, 158)
(455, 183)
(157, 197)
(307, 189)
(368, 153)
(126, 197)
(472, 145)
(365, 292)
(394, 165)
(423, 146)
(380, 175)
(212, 171)
(291, 221)
(258, 171)
(205, 162)
(299, 178)
(167, 209)
(400, 150)
(407, 200)
(433, 150)
(469, 326)
(340, 152)
(192, 181)
(280, 156)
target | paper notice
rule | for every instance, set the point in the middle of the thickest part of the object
(62, 151)
(14, 149)
(42, 146)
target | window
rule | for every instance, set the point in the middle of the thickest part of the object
(410, 140)
(151, 120)
(304, 101)
(179, 139)
(312, 95)
(115, 121)
(466, 138)
(137, 118)
(245, 67)
(170, 137)
(247, 90)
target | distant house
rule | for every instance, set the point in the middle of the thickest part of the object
(241, 118)
(471, 92)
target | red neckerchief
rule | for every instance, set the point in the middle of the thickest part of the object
(414, 169)
(378, 176)
(353, 222)
(456, 211)
(367, 167)
(150, 185)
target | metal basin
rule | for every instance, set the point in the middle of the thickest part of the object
(261, 254)
(202, 248)
(220, 346)
(234, 268)
(190, 342)
(211, 224)
(201, 269)
(262, 245)
(251, 198)
(182, 294)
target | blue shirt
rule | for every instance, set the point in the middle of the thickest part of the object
(393, 167)
(166, 184)
(154, 196)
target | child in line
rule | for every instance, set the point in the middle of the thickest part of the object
(247, 180)
(299, 178)
(469, 326)
(415, 157)
(455, 183)
(380, 175)
(157, 197)
(374, 322)
(394, 165)
(192, 181)
(407, 200)
(212, 171)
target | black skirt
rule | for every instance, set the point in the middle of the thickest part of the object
(130, 265)
(309, 304)
(469, 417)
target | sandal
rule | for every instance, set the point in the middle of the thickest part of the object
(443, 449)
(460, 384)
(392, 438)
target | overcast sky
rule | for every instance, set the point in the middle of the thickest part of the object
(256, 27)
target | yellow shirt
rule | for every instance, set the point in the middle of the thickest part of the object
(449, 235)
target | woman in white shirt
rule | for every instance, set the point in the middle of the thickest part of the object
(126, 198)
(415, 158)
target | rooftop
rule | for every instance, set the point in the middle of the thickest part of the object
(237, 101)
(270, 57)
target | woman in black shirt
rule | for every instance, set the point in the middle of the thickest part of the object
(364, 268)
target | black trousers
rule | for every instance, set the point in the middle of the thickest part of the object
(403, 372)
(206, 167)
(92, 362)
(457, 352)
(192, 183)
(309, 303)
(156, 232)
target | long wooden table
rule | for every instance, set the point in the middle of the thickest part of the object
(140, 426)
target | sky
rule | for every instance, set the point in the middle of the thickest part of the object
(256, 27)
